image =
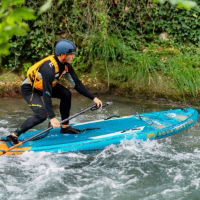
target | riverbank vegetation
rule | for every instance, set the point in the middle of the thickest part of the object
(135, 47)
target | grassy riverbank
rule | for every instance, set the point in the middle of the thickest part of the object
(155, 72)
(9, 84)
(168, 72)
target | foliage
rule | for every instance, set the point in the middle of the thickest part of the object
(12, 17)
(180, 3)
(123, 23)
(131, 43)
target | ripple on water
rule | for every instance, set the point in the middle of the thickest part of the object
(148, 170)
(166, 169)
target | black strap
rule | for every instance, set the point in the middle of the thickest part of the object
(88, 129)
(184, 109)
(113, 116)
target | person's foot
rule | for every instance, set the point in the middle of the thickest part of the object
(13, 139)
(69, 130)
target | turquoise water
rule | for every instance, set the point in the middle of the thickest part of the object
(167, 169)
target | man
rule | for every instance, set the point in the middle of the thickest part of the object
(42, 84)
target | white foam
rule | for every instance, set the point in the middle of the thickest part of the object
(3, 122)
(4, 131)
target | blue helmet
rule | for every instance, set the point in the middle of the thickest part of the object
(65, 47)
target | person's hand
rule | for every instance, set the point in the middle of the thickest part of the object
(98, 102)
(55, 123)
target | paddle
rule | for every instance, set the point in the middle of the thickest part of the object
(92, 108)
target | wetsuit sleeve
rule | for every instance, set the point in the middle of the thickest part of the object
(77, 84)
(47, 73)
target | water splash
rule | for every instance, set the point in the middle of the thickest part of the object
(165, 169)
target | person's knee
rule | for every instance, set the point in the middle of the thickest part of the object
(41, 116)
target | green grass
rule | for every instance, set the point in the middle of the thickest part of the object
(159, 72)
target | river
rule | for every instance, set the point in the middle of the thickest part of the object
(167, 169)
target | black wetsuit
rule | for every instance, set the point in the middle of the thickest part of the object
(40, 101)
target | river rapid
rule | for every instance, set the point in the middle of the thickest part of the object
(167, 169)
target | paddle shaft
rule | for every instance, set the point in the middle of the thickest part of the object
(92, 108)
(69, 118)
(48, 129)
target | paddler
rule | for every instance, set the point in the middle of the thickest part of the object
(41, 85)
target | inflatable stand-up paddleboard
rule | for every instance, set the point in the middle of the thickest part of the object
(97, 135)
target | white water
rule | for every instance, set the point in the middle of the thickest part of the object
(154, 170)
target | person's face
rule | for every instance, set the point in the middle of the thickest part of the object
(67, 58)
(70, 58)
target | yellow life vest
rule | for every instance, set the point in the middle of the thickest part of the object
(33, 75)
